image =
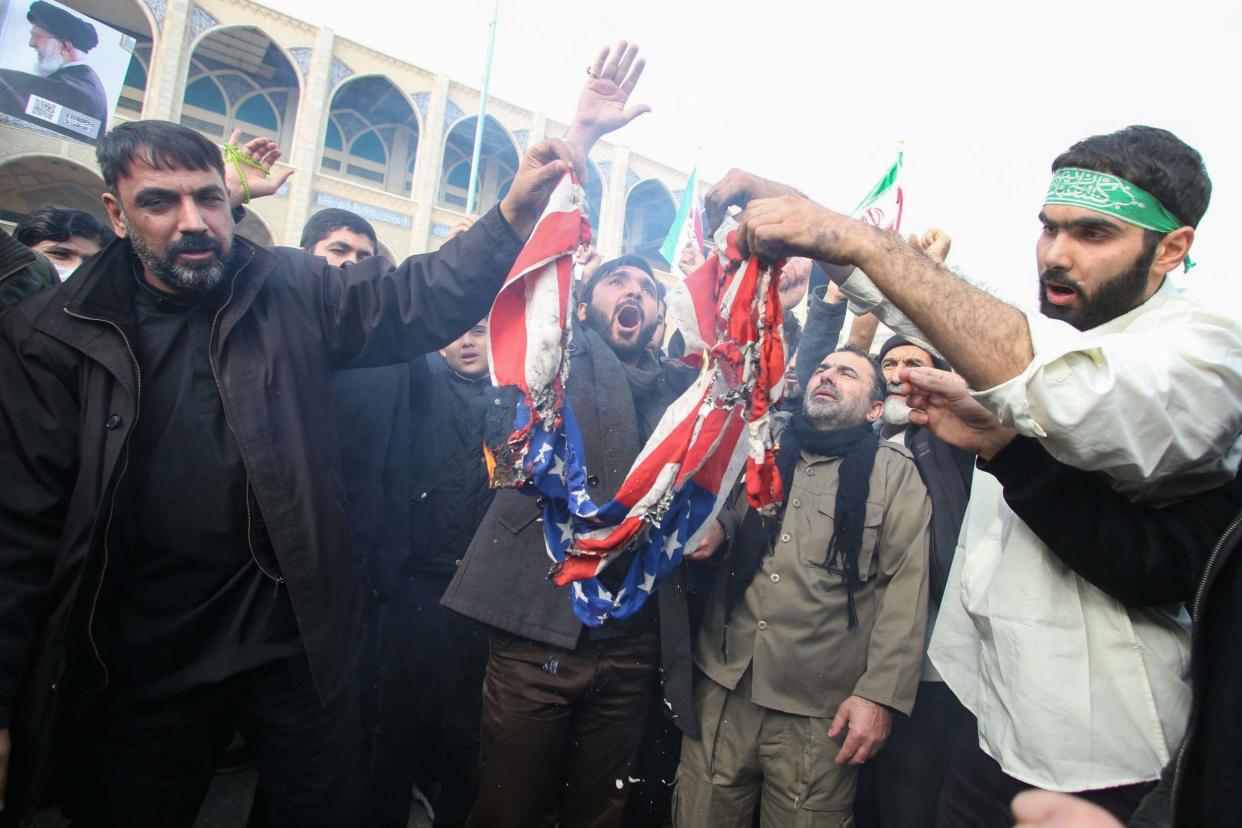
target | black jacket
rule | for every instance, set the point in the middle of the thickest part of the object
(72, 394)
(412, 448)
(22, 271)
(503, 580)
(946, 471)
(1141, 555)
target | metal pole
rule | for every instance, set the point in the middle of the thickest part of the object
(478, 127)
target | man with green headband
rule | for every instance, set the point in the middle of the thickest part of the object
(1123, 373)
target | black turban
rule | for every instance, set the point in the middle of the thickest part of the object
(62, 25)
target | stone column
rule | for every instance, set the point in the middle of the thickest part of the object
(169, 61)
(538, 131)
(427, 165)
(307, 148)
(612, 211)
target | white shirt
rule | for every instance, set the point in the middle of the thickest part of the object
(1073, 690)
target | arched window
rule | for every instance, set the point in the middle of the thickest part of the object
(372, 134)
(257, 111)
(368, 146)
(459, 176)
(240, 79)
(136, 76)
(332, 140)
(205, 94)
(498, 161)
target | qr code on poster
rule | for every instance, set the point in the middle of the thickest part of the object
(43, 109)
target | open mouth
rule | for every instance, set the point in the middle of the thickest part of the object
(629, 318)
(1059, 294)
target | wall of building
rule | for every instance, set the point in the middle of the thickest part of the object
(397, 179)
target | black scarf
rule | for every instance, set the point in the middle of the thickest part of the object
(856, 446)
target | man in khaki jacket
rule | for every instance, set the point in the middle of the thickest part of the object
(814, 633)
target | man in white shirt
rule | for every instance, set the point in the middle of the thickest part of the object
(1122, 373)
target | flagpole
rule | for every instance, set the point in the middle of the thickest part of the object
(478, 127)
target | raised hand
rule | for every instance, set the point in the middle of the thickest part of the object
(737, 189)
(462, 226)
(692, 258)
(252, 176)
(940, 401)
(792, 225)
(537, 176)
(935, 243)
(602, 104)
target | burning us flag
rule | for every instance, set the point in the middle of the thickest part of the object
(727, 309)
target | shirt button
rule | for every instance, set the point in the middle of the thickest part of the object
(763, 625)
(457, 562)
(422, 496)
(113, 423)
(776, 579)
(784, 537)
(541, 502)
(810, 472)
(796, 503)
(496, 401)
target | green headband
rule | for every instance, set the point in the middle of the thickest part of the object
(1114, 197)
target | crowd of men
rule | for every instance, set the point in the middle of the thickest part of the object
(244, 490)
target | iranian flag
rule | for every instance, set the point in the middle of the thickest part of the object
(882, 206)
(687, 226)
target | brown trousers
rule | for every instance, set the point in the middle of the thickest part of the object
(562, 716)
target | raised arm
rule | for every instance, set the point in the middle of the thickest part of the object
(376, 315)
(602, 104)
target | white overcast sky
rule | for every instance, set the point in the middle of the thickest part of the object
(818, 93)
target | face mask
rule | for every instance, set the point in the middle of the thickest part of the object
(65, 272)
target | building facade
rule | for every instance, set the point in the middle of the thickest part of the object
(365, 131)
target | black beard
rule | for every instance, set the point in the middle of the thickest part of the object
(1111, 299)
(199, 279)
(602, 325)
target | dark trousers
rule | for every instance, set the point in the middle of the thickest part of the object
(977, 793)
(546, 710)
(900, 788)
(151, 764)
(650, 803)
(431, 663)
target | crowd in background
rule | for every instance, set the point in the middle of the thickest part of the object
(246, 490)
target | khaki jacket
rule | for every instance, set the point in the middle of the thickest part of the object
(792, 622)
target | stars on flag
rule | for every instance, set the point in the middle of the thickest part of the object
(671, 544)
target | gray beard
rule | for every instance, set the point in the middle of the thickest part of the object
(46, 64)
(202, 279)
(896, 411)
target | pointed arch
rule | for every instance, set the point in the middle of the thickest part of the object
(255, 75)
(649, 213)
(498, 163)
(372, 134)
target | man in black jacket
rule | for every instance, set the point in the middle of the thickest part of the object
(415, 501)
(177, 559)
(1182, 553)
